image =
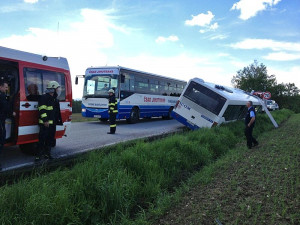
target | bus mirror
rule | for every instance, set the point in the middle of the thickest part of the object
(122, 78)
(76, 80)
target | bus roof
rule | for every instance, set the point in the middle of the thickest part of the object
(58, 62)
(133, 70)
(229, 92)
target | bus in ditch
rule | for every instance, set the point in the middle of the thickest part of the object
(139, 94)
(27, 75)
(204, 104)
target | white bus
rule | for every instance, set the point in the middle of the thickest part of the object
(139, 94)
(205, 104)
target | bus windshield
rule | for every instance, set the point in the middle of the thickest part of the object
(205, 97)
(97, 86)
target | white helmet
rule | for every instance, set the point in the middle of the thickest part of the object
(53, 84)
(111, 91)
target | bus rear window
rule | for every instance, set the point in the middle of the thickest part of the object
(205, 97)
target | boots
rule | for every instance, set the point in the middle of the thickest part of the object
(48, 153)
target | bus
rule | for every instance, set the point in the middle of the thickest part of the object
(204, 104)
(139, 94)
(27, 75)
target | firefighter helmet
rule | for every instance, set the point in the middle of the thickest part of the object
(53, 84)
(111, 91)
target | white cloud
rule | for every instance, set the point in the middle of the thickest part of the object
(82, 42)
(291, 75)
(31, 1)
(250, 8)
(201, 20)
(219, 37)
(222, 54)
(267, 44)
(171, 38)
(214, 26)
(282, 56)
(181, 66)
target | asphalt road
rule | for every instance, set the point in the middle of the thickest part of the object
(86, 136)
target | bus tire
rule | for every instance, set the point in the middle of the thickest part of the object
(169, 116)
(134, 115)
(103, 119)
(30, 148)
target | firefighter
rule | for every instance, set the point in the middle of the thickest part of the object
(49, 116)
(112, 110)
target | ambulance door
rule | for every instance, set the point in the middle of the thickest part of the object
(9, 73)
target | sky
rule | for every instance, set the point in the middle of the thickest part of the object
(183, 39)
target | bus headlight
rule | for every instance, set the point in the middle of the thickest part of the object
(83, 110)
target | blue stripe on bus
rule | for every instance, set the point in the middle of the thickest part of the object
(184, 121)
(124, 111)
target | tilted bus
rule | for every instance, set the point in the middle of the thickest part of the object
(204, 104)
(27, 75)
(139, 94)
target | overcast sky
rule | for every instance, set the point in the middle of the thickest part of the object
(210, 39)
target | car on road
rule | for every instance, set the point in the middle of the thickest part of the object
(272, 105)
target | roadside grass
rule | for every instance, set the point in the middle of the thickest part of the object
(121, 186)
(258, 186)
(77, 117)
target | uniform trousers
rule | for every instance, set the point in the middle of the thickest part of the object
(112, 122)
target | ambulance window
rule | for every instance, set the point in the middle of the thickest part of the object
(36, 82)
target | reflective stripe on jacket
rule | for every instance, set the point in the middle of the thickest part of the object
(46, 107)
(112, 104)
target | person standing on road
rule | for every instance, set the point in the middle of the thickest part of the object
(249, 123)
(48, 118)
(112, 110)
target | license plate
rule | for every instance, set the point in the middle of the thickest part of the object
(97, 116)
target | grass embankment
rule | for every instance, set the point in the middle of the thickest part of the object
(116, 187)
(258, 186)
(77, 117)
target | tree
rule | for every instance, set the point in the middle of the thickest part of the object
(254, 77)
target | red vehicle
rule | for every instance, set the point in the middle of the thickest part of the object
(28, 75)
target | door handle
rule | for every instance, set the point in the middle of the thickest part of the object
(26, 105)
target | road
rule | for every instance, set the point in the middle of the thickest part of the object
(86, 136)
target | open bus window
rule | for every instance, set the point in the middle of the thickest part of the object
(205, 97)
(235, 112)
(36, 81)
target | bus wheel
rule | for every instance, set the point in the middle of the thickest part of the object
(134, 115)
(103, 120)
(30, 148)
(168, 117)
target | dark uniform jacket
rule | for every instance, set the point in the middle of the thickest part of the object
(248, 118)
(5, 109)
(48, 109)
(112, 105)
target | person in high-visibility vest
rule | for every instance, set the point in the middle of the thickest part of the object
(49, 116)
(112, 110)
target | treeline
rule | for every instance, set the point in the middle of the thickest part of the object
(255, 77)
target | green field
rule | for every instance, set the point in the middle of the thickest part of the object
(258, 186)
(77, 117)
(137, 183)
